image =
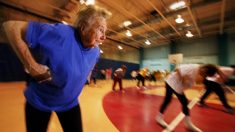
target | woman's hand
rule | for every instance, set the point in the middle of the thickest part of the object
(41, 73)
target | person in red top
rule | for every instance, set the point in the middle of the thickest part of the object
(118, 75)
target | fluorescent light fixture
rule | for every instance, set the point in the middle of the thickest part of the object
(179, 19)
(87, 2)
(177, 5)
(82, 1)
(189, 34)
(120, 47)
(147, 42)
(101, 51)
(187, 25)
(128, 33)
(64, 22)
(127, 23)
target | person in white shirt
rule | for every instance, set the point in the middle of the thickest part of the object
(133, 74)
(118, 75)
(214, 84)
(183, 77)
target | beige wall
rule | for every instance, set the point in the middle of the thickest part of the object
(132, 57)
(127, 54)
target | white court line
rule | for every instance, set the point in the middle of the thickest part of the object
(229, 89)
(180, 116)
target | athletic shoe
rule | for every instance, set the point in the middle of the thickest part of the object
(144, 87)
(123, 91)
(189, 125)
(160, 121)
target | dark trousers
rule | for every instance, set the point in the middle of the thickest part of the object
(94, 79)
(115, 80)
(141, 79)
(168, 97)
(217, 88)
(37, 121)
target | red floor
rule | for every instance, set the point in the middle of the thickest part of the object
(134, 111)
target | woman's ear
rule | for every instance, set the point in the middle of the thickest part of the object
(82, 27)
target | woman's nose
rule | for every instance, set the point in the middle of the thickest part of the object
(103, 37)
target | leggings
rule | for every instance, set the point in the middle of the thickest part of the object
(115, 80)
(215, 87)
(141, 79)
(181, 97)
(37, 121)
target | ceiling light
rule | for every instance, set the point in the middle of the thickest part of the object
(147, 42)
(128, 33)
(64, 22)
(127, 23)
(177, 5)
(179, 19)
(87, 2)
(120, 47)
(101, 51)
(189, 34)
(187, 25)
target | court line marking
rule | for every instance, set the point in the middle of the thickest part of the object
(180, 116)
(230, 89)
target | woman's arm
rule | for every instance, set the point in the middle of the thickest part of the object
(16, 31)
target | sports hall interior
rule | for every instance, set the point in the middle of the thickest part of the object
(152, 34)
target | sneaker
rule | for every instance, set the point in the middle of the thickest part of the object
(144, 87)
(167, 130)
(230, 111)
(189, 125)
(161, 122)
(123, 91)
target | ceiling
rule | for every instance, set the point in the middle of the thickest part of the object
(151, 19)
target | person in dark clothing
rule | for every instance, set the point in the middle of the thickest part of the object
(214, 83)
(141, 76)
(94, 75)
(185, 76)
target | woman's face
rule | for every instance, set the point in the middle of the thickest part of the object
(94, 32)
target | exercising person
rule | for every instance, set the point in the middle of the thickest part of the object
(68, 55)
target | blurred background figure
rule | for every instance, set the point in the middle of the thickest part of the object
(93, 76)
(118, 75)
(141, 77)
(134, 74)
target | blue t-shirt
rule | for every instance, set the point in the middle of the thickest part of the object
(60, 48)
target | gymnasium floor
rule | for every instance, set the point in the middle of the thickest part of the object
(131, 111)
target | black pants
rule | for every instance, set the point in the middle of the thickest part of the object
(141, 79)
(181, 97)
(94, 80)
(37, 121)
(217, 88)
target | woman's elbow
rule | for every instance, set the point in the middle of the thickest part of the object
(7, 24)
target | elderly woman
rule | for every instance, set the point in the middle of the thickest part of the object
(67, 56)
